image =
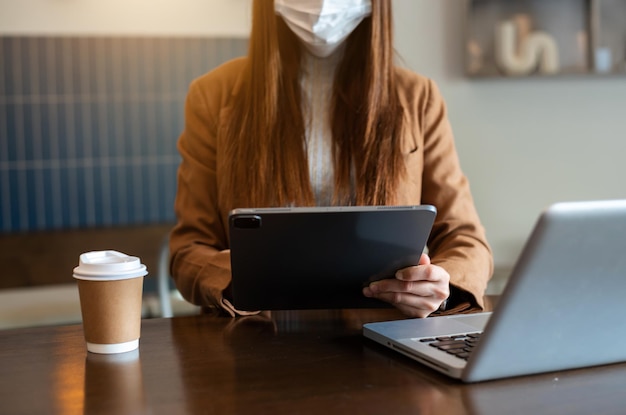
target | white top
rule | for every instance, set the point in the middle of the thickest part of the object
(317, 87)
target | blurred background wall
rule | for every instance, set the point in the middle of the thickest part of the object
(524, 143)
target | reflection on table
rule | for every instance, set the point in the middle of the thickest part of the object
(307, 362)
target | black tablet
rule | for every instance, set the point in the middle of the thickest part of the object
(321, 257)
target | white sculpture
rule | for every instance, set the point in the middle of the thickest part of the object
(518, 51)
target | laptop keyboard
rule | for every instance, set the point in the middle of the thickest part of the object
(459, 345)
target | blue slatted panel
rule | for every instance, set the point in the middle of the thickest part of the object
(88, 127)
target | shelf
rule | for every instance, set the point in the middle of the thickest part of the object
(545, 38)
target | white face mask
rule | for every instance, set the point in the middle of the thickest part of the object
(322, 25)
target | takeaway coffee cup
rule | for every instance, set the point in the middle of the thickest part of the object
(110, 286)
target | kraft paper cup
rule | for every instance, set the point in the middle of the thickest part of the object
(110, 286)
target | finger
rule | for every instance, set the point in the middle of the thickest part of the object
(411, 305)
(421, 273)
(412, 273)
(438, 290)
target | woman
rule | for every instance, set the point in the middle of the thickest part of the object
(317, 114)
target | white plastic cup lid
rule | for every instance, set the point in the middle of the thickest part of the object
(108, 265)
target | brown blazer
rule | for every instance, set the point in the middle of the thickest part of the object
(199, 243)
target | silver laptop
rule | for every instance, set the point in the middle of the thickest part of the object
(321, 257)
(563, 307)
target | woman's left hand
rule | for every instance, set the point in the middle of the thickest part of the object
(416, 291)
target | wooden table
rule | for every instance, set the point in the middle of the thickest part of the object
(306, 362)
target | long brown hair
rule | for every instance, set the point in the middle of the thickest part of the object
(266, 153)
